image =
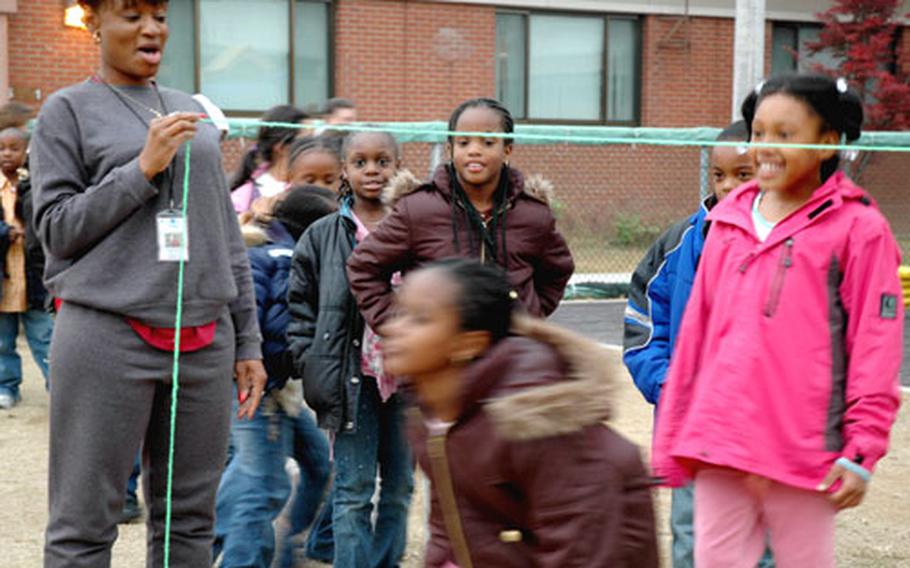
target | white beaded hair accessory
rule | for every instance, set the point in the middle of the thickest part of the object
(759, 87)
(841, 85)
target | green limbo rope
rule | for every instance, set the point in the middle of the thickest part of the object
(672, 137)
(175, 374)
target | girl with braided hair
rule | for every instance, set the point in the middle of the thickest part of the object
(476, 206)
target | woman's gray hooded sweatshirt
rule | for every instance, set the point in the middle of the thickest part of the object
(95, 213)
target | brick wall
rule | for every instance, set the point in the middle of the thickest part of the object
(686, 83)
(45, 55)
(416, 60)
(405, 60)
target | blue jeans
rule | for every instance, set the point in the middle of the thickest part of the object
(311, 452)
(132, 485)
(39, 325)
(681, 525)
(378, 444)
(254, 487)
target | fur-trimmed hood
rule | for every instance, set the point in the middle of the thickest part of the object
(254, 234)
(404, 183)
(544, 381)
(258, 232)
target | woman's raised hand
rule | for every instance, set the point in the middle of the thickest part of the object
(166, 135)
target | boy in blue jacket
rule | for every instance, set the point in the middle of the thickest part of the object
(658, 294)
(255, 486)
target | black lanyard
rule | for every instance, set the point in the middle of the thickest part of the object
(169, 172)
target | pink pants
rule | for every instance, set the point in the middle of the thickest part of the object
(735, 512)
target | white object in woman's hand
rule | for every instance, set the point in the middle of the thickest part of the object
(166, 135)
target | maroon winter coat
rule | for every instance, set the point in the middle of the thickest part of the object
(538, 479)
(420, 230)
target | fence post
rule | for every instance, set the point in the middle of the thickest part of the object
(704, 164)
(437, 155)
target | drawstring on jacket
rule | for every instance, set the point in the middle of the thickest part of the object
(487, 233)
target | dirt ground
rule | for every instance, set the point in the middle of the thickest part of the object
(875, 535)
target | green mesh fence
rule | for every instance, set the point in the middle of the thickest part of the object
(617, 189)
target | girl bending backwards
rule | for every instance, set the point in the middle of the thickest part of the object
(523, 470)
(784, 388)
(475, 206)
(340, 361)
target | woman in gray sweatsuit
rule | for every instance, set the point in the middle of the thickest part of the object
(108, 160)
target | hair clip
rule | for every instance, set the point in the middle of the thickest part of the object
(759, 87)
(741, 150)
(841, 85)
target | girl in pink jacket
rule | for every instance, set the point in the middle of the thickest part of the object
(783, 387)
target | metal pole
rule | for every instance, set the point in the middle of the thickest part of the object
(748, 50)
(704, 185)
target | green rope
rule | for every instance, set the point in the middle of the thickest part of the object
(437, 132)
(175, 383)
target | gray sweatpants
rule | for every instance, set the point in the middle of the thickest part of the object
(110, 394)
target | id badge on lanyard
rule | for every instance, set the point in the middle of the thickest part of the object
(173, 241)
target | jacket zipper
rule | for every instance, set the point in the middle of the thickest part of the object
(483, 244)
(436, 448)
(786, 261)
(349, 413)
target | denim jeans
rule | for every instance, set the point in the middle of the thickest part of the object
(132, 486)
(311, 452)
(378, 444)
(682, 506)
(254, 487)
(38, 328)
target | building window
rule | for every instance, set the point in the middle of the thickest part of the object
(249, 56)
(789, 51)
(562, 67)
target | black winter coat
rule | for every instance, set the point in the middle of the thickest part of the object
(326, 327)
(34, 254)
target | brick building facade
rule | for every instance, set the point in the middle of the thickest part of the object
(416, 60)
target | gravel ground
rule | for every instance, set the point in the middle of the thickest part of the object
(876, 535)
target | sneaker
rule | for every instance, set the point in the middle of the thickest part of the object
(132, 511)
(7, 400)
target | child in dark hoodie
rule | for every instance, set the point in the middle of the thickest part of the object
(254, 486)
(475, 206)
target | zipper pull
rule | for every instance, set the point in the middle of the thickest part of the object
(788, 257)
(746, 262)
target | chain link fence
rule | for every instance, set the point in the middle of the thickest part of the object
(618, 189)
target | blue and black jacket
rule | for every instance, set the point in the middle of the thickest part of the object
(658, 294)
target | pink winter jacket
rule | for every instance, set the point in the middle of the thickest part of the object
(789, 350)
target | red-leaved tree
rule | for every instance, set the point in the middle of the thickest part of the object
(862, 35)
